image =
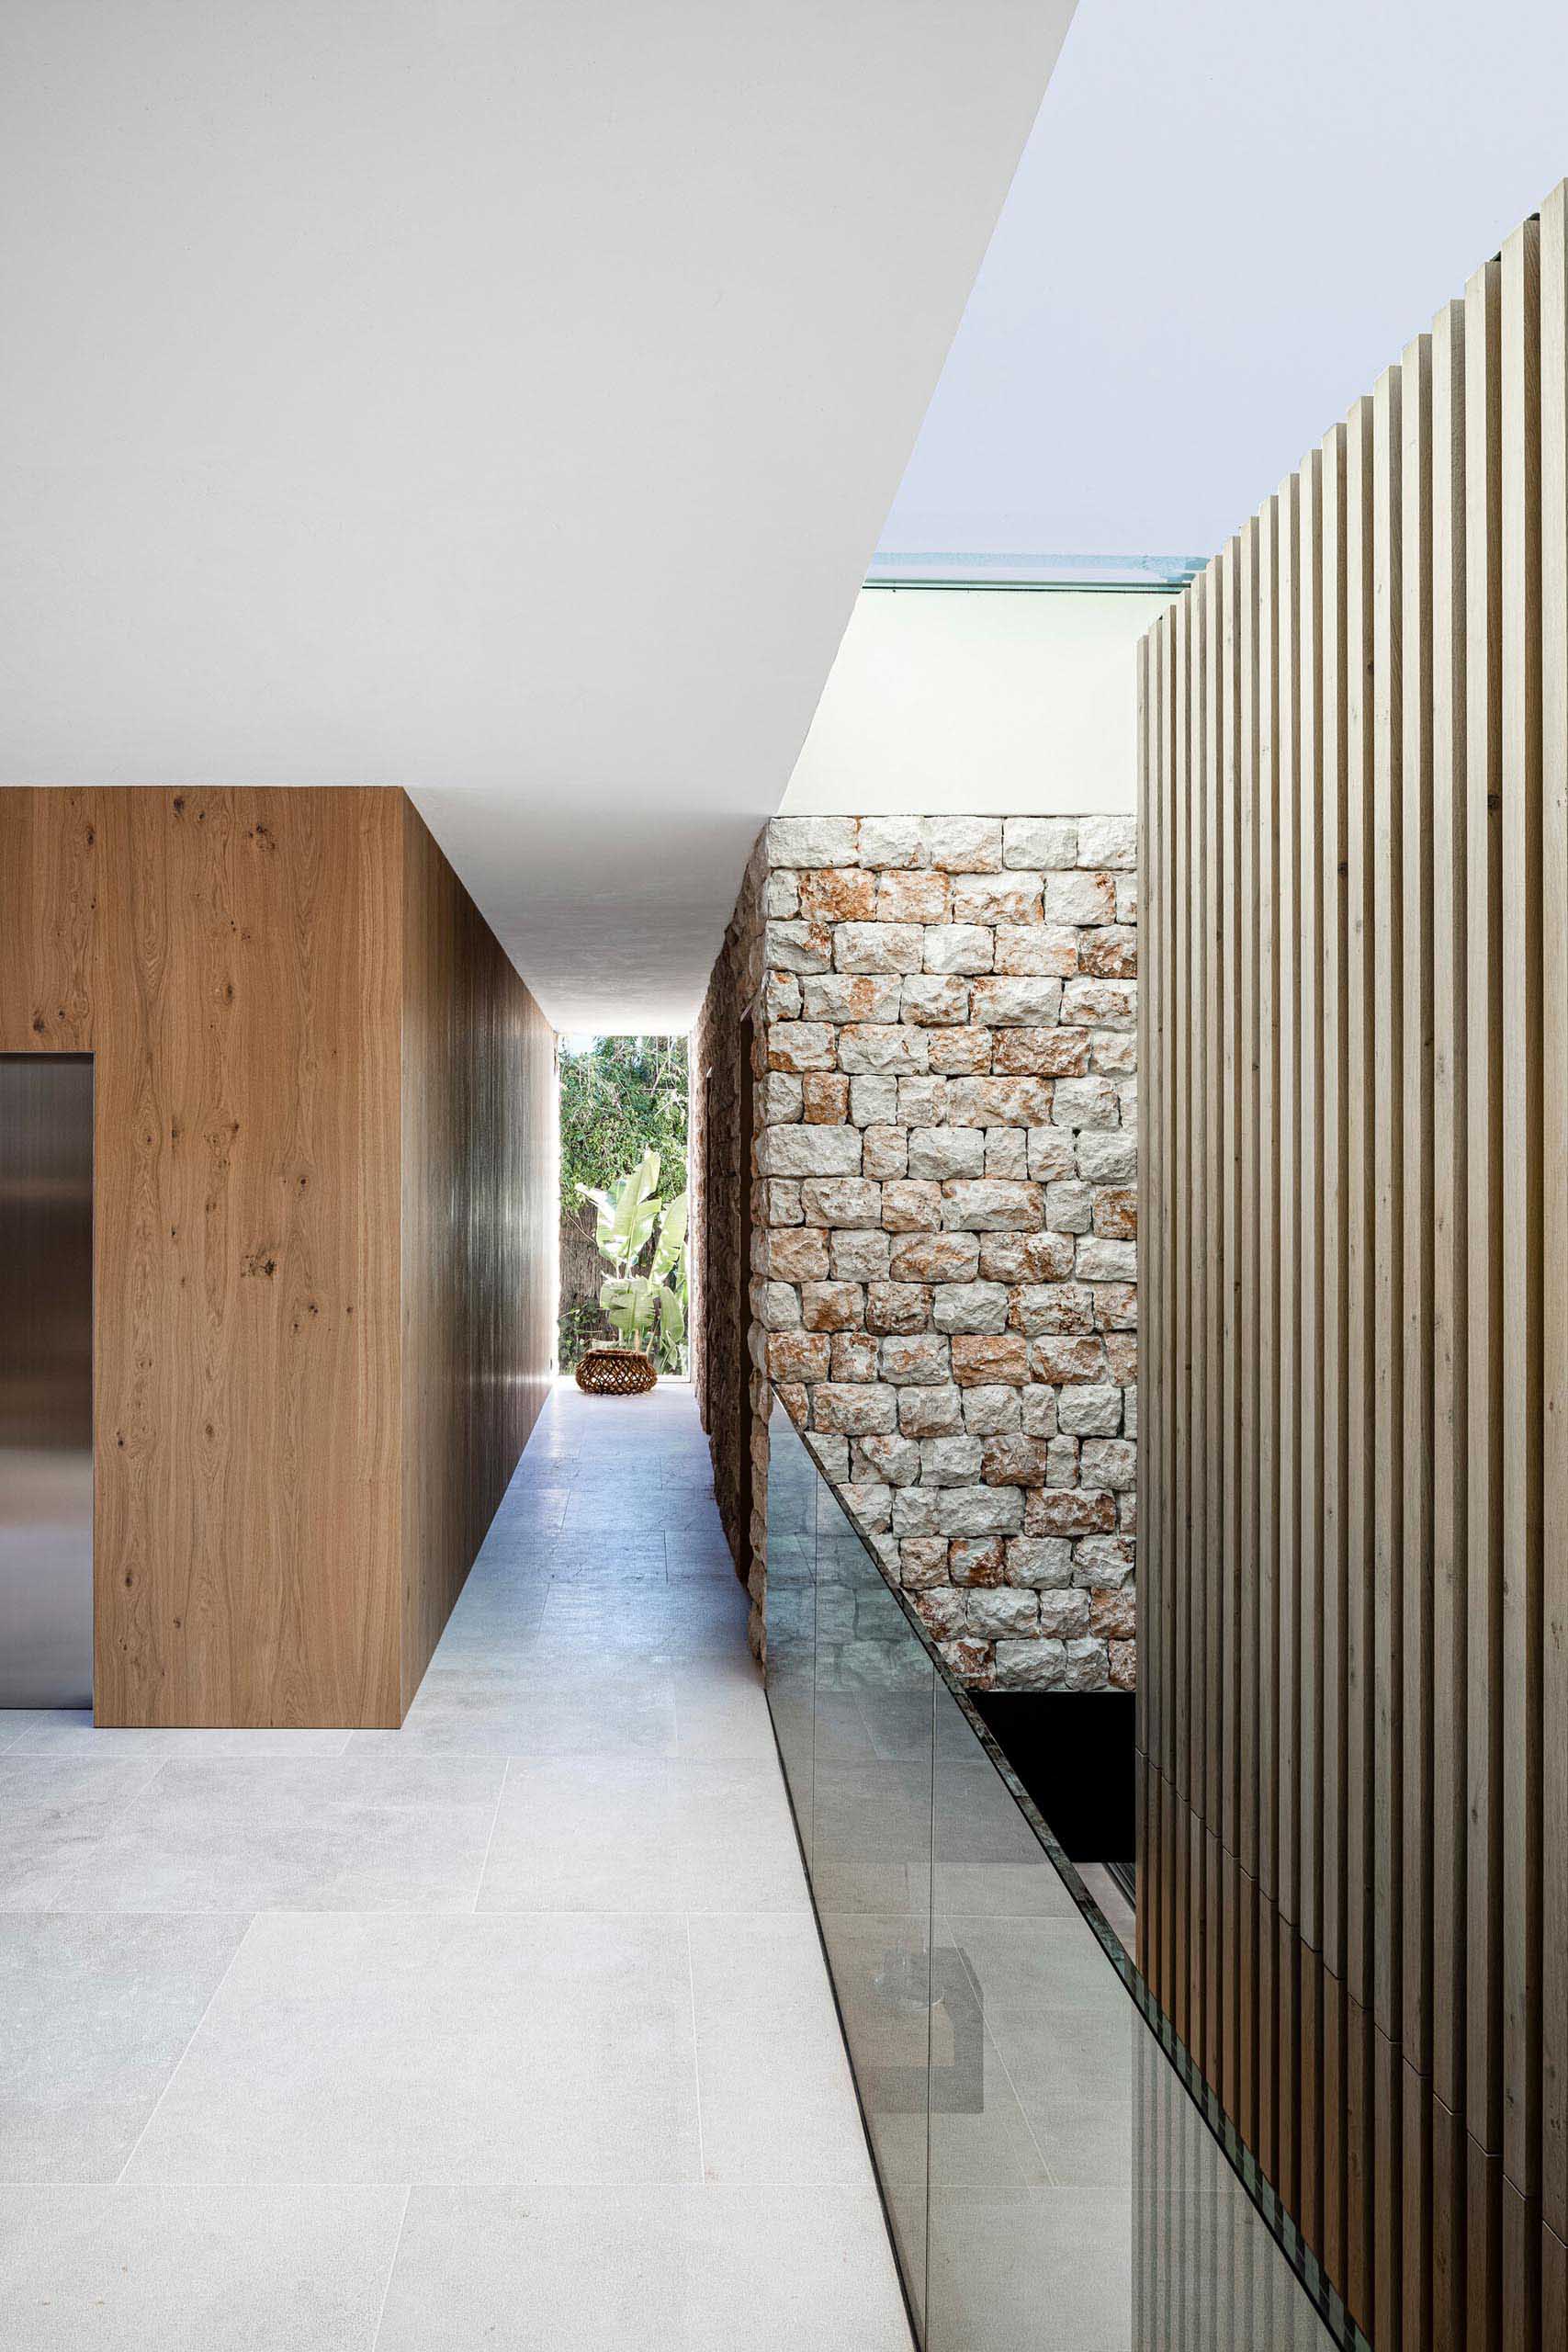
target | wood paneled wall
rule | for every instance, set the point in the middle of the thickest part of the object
(1354, 1481)
(237, 962)
(478, 1202)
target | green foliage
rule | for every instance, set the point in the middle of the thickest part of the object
(620, 1097)
(628, 1220)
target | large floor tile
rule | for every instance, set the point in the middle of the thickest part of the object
(353, 1832)
(777, 2100)
(491, 1711)
(95, 2014)
(595, 1834)
(427, 2047)
(693, 2270)
(72, 1731)
(54, 1813)
(195, 2269)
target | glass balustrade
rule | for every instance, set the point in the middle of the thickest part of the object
(1046, 2175)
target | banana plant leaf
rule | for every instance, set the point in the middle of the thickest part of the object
(671, 1238)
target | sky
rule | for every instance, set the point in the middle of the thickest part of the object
(1229, 219)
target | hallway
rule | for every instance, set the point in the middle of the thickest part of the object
(509, 2026)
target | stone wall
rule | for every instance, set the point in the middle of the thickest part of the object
(945, 1232)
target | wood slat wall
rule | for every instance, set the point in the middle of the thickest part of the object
(1353, 1726)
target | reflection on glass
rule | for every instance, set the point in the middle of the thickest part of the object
(1047, 2177)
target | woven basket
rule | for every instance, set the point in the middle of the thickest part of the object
(615, 1371)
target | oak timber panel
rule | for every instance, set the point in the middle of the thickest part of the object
(1354, 1663)
(478, 1324)
(231, 959)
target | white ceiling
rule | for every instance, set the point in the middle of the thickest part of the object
(499, 400)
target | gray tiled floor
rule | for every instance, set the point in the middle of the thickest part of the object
(509, 2026)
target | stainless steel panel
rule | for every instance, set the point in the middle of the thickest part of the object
(46, 1380)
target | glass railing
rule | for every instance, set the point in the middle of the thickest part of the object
(1046, 2177)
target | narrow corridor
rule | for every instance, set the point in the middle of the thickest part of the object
(510, 2027)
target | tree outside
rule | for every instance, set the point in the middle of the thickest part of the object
(619, 1096)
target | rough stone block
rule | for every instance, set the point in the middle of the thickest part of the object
(1116, 1214)
(1106, 1157)
(1127, 900)
(1108, 841)
(1012, 899)
(1038, 1308)
(930, 1412)
(898, 1307)
(839, 894)
(1085, 897)
(936, 1000)
(1110, 953)
(1026, 1258)
(935, 1258)
(916, 1360)
(943, 1610)
(1043, 1561)
(1037, 1408)
(914, 897)
(850, 996)
(976, 1559)
(1100, 1004)
(1000, 1102)
(914, 1512)
(1064, 1614)
(1090, 1411)
(852, 1410)
(780, 1309)
(1014, 1460)
(1074, 1510)
(855, 1356)
(810, 1151)
(1103, 1561)
(892, 841)
(1037, 950)
(961, 1053)
(923, 1562)
(969, 1306)
(832, 1307)
(942, 1152)
(798, 1356)
(1069, 1207)
(813, 841)
(989, 1412)
(894, 1460)
(1087, 1667)
(1007, 1153)
(989, 1206)
(798, 947)
(1121, 1354)
(849, 1200)
(913, 1207)
(1029, 1666)
(781, 996)
(878, 946)
(1005, 1613)
(780, 1098)
(1016, 1004)
(781, 896)
(874, 1101)
(780, 1202)
(1051, 1155)
(981, 1360)
(1112, 1053)
(796, 1254)
(1097, 1261)
(879, 1049)
(1108, 1462)
(949, 1461)
(825, 1098)
(966, 845)
(1040, 841)
(922, 1101)
(869, 1503)
(1067, 1363)
(887, 1152)
(801, 1045)
(1124, 1665)
(1041, 1053)
(1086, 1102)
(957, 947)
(977, 1510)
(857, 1256)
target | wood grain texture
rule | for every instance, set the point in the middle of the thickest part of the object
(1355, 732)
(479, 1313)
(234, 961)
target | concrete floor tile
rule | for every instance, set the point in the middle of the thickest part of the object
(432, 2047)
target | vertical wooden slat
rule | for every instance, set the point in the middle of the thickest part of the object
(1522, 1561)
(1287, 1684)
(1247, 1275)
(1554, 1206)
(1195, 931)
(1268, 1116)
(1230, 1440)
(1450, 1321)
(1151, 1063)
(1214, 1206)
